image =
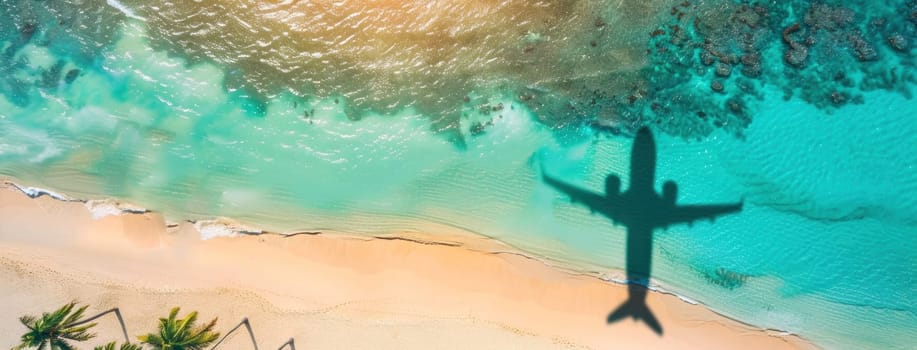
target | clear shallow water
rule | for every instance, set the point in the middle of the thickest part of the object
(825, 246)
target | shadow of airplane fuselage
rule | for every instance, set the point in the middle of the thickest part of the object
(641, 210)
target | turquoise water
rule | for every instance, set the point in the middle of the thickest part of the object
(825, 246)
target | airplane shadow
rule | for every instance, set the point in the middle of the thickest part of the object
(641, 210)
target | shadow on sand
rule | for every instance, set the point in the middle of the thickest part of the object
(641, 210)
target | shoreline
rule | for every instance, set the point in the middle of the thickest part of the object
(434, 287)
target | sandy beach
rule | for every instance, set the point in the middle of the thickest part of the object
(327, 290)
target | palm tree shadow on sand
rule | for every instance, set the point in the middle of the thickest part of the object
(641, 210)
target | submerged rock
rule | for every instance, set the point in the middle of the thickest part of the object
(717, 86)
(751, 64)
(796, 53)
(796, 56)
(898, 42)
(51, 77)
(726, 278)
(839, 98)
(827, 17)
(723, 70)
(478, 128)
(864, 50)
(27, 31)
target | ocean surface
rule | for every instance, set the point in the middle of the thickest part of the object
(387, 116)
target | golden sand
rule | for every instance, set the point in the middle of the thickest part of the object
(328, 291)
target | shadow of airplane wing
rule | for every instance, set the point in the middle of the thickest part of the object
(687, 214)
(594, 201)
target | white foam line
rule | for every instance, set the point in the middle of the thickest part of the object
(35, 192)
(124, 9)
(651, 286)
(222, 227)
(107, 207)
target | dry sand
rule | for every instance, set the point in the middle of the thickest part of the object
(328, 290)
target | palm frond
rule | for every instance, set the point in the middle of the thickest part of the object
(114, 346)
(181, 333)
(52, 329)
(76, 315)
(79, 333)
(109, 346)
(28, 321)
(60, 344)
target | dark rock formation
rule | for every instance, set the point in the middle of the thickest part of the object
(71, 75)
(898, 42)
(717, 86)
(723, 70)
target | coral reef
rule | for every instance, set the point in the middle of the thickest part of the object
(688, 70)
(725, 278)
(829, 55)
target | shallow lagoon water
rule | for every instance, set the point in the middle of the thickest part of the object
(825, 246)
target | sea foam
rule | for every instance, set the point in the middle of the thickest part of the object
(124, 9)
(223, 227)
(35, 192)
(108, 207)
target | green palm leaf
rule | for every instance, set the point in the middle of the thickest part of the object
(53, 330)
(181, 334)
(114, 346)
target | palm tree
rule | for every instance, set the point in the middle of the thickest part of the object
(54, 330)
(114, 346)
(181, 334)
(248, 327)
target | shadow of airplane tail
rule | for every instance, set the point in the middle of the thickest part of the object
(638, 311)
